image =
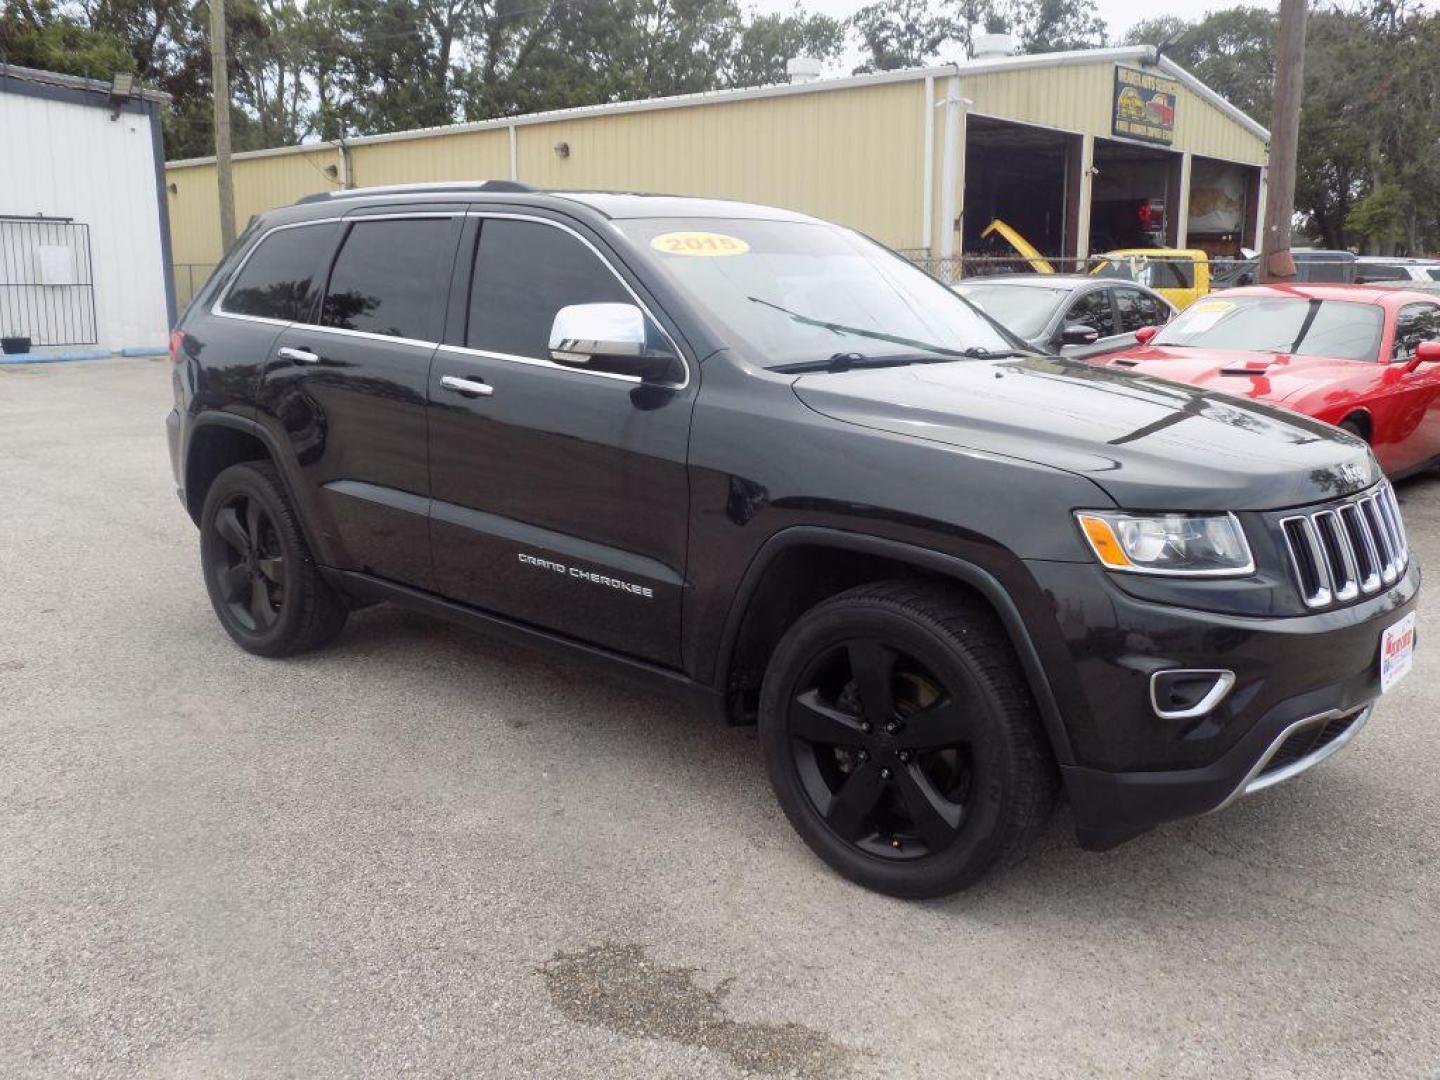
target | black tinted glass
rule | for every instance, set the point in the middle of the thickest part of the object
(1137, 309)
(278, 280)
(1093, 310)
(390, 278)
(524, 274)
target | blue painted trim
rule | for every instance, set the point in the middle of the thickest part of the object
(145, 350)
(55, 358)
(162, 195)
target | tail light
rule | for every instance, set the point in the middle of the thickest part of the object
(177, 345)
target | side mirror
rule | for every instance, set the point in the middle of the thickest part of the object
(1078, 334)
(1427, 352)
(1145, 333)
(610, 338)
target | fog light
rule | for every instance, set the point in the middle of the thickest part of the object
(1180, 694)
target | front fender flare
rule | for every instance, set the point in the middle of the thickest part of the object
(946, 565)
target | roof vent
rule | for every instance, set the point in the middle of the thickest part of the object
(802, 69)
(985, 46)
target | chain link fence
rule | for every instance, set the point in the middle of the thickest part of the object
(1157, 271)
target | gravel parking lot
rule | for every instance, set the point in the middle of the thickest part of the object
(424, 853)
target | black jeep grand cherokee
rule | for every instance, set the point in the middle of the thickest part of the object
(765, 461)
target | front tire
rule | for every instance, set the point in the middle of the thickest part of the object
(262, 580)
(901, 739)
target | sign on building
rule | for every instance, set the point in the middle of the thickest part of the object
(1144, 106)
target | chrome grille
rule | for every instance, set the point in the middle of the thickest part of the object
(1347, 549)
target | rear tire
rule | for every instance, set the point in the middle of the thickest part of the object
(263, 582)
(902, 741)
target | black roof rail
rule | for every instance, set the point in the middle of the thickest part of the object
(439, 186)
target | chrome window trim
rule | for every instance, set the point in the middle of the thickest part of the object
(604, 261)
(1254, 782)
(369, 335)
(549, 365)
(218, 308)
(1224, 682)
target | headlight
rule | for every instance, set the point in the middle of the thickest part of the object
(1193, 545)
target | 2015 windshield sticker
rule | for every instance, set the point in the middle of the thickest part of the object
(701, 244)
(587, 575)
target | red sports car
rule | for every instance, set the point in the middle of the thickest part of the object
(1365, 359)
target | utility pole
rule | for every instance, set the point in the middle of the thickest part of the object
(1276, 262)
(220, 77)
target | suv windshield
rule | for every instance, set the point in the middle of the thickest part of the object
(1285, 324)
(772, 283)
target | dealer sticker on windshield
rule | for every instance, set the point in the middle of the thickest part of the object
(700, 244)
(1397, 652)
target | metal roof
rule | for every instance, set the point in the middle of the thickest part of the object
(1133, 53)
(72, 82)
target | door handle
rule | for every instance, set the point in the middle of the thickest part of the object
(467, 387)
(300, 356)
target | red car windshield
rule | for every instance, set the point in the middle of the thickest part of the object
(1282, 324)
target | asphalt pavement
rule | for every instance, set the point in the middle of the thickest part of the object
(423, 853)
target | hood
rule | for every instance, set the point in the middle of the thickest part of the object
(1149, 443)
(1260, 376)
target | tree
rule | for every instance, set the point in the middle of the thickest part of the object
(906, 33)
(768, 41)
(1056, 25)
(1231, 51)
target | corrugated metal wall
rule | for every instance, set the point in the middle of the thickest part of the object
(1077, 98)
(854, 154)
(64, 159)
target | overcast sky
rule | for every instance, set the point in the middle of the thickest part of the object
(1119, 15)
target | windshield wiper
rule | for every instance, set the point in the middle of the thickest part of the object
(847, 361)
(876, 335)
(979, 352)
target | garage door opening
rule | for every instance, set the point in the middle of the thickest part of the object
(1223, 200)
(1133, 197)
(1017, 174)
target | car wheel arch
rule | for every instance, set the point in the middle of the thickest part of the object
(218, 440)
(758, 618)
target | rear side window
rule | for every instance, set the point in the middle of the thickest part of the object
(280, 278)
(1138, 309)
(391, 278)
(1093, 310)
(524, 273)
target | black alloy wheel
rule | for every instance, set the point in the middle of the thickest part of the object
(901, 738)
(252, 577)
(884, 749)
(263, 583)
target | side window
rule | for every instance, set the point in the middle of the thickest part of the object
(1138, 309)
(524, 273)
(1414, 324)
(391, 278)
(279, 279)
(1093, 309)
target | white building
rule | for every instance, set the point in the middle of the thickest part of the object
(84, 232)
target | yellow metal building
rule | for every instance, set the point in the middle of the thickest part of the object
(1066, 147)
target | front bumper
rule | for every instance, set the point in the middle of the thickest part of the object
(1304, 686)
